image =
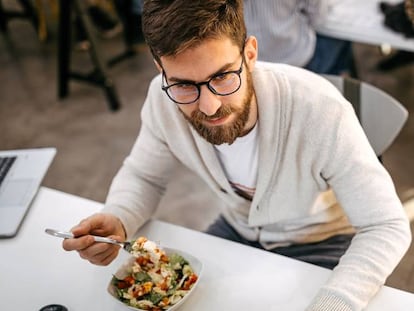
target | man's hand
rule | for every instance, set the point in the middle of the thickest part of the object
(101, 224)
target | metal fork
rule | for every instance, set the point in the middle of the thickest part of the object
(69, 235)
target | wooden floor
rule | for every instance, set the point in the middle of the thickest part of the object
(92, 141)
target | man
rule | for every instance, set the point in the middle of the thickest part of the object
(273, 142)
(286, 32)
(399, 17)
(409, 10)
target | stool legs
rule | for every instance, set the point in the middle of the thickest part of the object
(99, 75)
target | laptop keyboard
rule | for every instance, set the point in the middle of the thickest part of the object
(5, 165)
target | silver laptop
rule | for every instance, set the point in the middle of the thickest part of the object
(21, 173)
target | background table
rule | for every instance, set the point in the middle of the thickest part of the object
(36, 271)
(362, 21)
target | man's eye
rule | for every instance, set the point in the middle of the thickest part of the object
(221, 77)
(184, 86)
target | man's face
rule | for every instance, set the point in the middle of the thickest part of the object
(218, 119)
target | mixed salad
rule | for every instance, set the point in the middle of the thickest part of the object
(155, 281)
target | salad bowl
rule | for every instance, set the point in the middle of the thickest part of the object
(176, 295)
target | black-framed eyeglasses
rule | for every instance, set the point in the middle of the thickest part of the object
(223, 84)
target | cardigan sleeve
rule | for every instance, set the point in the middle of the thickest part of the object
(366, 193)
(138, 186)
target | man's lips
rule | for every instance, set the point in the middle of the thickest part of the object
(217, 121)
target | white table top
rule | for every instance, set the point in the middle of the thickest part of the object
(362, 21)
(35, 271)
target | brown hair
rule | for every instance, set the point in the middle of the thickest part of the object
(172, 26)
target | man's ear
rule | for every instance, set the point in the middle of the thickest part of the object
(250, 52)
(157, 65)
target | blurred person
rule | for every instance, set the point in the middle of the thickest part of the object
(286, 32)
(106, 24)
(398, 17)
(130, 12)
(277, 144)
(409, 10)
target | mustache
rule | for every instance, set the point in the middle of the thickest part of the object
(222, 112)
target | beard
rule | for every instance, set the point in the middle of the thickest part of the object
(228, 133)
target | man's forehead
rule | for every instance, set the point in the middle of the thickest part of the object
(202, 61)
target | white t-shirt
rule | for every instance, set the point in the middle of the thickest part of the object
(240, 161)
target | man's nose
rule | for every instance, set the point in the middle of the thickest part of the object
(208, 103)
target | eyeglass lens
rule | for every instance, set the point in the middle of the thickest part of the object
(223, 84)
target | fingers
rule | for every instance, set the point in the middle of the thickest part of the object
(95, 252)
(100, 253)
(90, 225)
(78, 244)
(100, 224)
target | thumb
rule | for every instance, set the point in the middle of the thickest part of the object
(89, 225)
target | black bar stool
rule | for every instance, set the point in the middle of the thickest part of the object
(28, 12)
(99, 75)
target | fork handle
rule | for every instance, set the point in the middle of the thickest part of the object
(106, 240)
(69, 235)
